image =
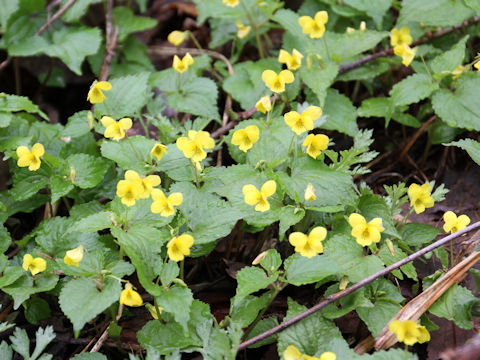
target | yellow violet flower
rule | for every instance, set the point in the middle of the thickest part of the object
(315, 144)
(242, 30)
(454, 223)
(179, 246)
(147, 183)
(158, 151)
(400, 37)
(363, 26)
(310, 245)
(458, 71)
(153, 311)
(177, 37)
(363, 232)
(259, 198)
(114, 129)
(420, 197)
(314, 27)
(245, 138)
(405, 52)
(30, 158)
(95, 94)
(130, 297)
(131, 188)
(409, 332)
(264, 105)
(182, 65)
(310, 193)
(231, 3)
(275, 82)
(477, 65)
(292, 353)
(74, 256)
(165, 205)
(192, 147)
(293, 61)
(300, 123)
(35, 265)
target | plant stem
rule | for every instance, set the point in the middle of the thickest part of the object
(269, 114)
(133, 148)
(182, 269)
(144, 126)
(425, 65)
(157, 309)
(326, 47)
(255, 30)
(195, 41)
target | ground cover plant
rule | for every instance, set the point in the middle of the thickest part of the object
(225, 179)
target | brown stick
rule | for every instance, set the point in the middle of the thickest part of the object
(111, 42)
(389, 52)
(332, 298)
(104, 336)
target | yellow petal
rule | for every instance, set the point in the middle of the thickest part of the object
(318, 233)
(356, 219)
(269, 77)
(286, 76)
(251, 194)
(321, 17)
(175, 198)
(269, 188)
(298, 239)
(376, 223)
(306, 22)
(38, 150)
(283, 57)
(125, 123)
(107, 121)
(328, 356)
(292, 353)
(103, 85)
(27, 260)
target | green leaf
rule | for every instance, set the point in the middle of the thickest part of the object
(312, 335)
(77, 125)
(60, 186)
(177, 301)
(176, 165)
(92, 223)
(10, 275)
(198, 97)
(471, 146)
(27, 183)
(251, 279)
(346, 304)
(439, 13)
(43, 337)
(340, 113)
(5, 119)
(36, 310)
(245, 85)
(126, 98)
(455, 305)
(289, 215)
(412, 89)
(77, 10)
(449, 60)
(23, 287)
(216, 343)
(90, 356)
(377, 107)
(347, 45)
(13, 103)
(331, 187)
(406, 119)
(319, 79)
(210, 217)
(262, 326)
(129, 23)
(21, 343)
(372, 206)
(418, 234)
(89, 170)
(367, 71)
(5, 239)
(376, 10)
(389, 259)
(344, 252)
(244, 310)
(121, 152)
(378, 316)
(81, 300)
(302, 270)
(7, 9)
(214, 9)
(6, 350)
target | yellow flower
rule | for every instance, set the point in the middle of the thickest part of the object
(130, 297)
(315, 144)
(245, 138)
(95, 94)
(275, 82)
(30, 158)
(310, 193)
(147, 183)
(363, 26)
(300, 123)
(35, 265)
(477, 65)
(231, 3)
(409, 332)
(259, 198)
(400, 37)
(73, 257)
(192, 147)
(242, 30)
(316, 26)
(363, 232)
(114, 129)
(177, 37)
(182, 65)
(420, 197)
(458, 71)
(405, 52)
(131, 188)
(179, 246)
(292, 353)
(153, 311)
(158, 151)
(165, 205)
(454, 223)
(264, 105)
(310, 245)
(293, 61)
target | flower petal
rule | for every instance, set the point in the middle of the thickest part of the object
(269, 188)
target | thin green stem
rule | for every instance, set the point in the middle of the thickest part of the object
(182, 269)
(326, 47)
(269, 114)
(157, 308)
(197, 180)
(195, 41)
(255, 30)
(144, 126)
(179, 82)
(426, 67)
(406, 216)
(133, 148)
